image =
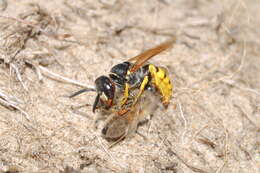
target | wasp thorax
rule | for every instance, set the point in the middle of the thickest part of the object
(121, 69)
(118, 73)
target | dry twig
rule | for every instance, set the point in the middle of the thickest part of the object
(60, 78)
(12, 103)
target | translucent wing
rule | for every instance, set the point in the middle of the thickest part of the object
(124, 122)
(146, 55)
(121, 123)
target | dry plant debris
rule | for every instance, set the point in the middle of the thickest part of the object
(49, 48)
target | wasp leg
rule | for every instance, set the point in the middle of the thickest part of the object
(141, 89)
(126, 94)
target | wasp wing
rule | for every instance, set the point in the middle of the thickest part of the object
(146, 55)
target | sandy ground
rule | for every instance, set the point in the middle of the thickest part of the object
(212, 124)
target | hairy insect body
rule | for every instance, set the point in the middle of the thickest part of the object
(123, 124)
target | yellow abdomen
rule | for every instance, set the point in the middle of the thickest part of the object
(162, 82)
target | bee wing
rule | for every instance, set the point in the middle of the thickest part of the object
(146, 105)
(121, 123)
(124, 122)
(146, 55)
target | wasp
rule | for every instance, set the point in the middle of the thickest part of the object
(130, 75)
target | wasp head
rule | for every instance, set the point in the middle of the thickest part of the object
(105, 89)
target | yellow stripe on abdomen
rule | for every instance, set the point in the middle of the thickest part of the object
(162, 82)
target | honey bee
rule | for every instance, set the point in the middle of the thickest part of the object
(130, 75)
(123, 123)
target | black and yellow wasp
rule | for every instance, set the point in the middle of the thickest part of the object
(136, 84)
(130, 75)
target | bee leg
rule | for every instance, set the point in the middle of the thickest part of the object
(117, 141)
(141, 89)
(140, 134)
(126, 94)
(75, 110)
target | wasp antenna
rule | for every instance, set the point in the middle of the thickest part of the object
(95, 103)
(82, 91)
